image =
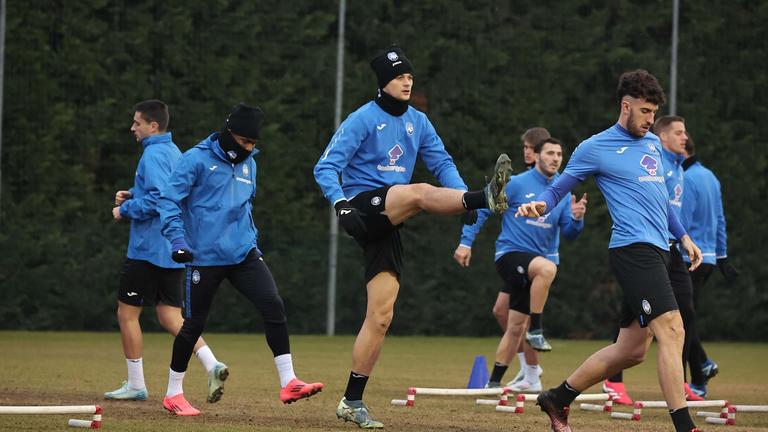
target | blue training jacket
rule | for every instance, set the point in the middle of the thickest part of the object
(673, 179)
(373, 148)
(155, 166)
(629, 172)
(536, 236)
(208, 203)
(702, 213)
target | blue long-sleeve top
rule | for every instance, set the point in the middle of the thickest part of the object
(702, 213)
(536, 236)
(208, 203)
(630, 174)
(373, 148)
(155, 166)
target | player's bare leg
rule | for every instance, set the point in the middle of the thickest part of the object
(542, 273)
(382, 293)
(405, 201)
(134, 387)
(501, 310)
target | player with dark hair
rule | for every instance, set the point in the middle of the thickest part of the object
(521, 255)
(374, 152)
(206, 215)
(530, 138)
(626, 163)
(149, 276)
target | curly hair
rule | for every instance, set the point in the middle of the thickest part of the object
(642, 85)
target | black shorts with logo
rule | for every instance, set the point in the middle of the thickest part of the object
(642, 271)
(145, 284)
(513, 270)
(382, 247)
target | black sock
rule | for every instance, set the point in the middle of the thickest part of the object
(619, 377)
(355, 386)
(565, 394)
(498, 372)
(535, 322)
(682, 420)
(474, 200)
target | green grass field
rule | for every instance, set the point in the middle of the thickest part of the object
(76, 368)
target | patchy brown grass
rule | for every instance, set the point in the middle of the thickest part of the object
(76, 368)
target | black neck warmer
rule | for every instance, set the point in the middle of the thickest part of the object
(690, 161)
(391, 105)
(234, 151)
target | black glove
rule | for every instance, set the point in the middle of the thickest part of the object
(180, 251)
(349, 218)
(729, 272)
(469, 217)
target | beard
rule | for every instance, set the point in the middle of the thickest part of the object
(634, 128)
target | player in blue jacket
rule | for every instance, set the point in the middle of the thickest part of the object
(149, 276)
(522, 250)
(374, 152)
(626, 163)
(206, 215)
(702, 216)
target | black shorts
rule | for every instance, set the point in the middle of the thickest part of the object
(678, 273)
(513, 270)
(145, 284)
(382, 247)
(642, 271)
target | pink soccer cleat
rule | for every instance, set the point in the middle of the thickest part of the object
(298, 389)
(179, 406)
(617, 392)
(690, 395)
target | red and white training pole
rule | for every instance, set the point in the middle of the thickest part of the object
(94, 423)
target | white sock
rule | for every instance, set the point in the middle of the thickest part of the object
(135, 373)
(284, 364)
(175, 380)
(206, 357)
(521, 358)
(532, 374)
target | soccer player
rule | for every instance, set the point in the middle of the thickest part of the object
(521, 254)
(702, 216)
(374, 152)
(673, 136)
(626, 163)
(149, 276)
(206, 215)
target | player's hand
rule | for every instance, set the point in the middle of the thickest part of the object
(116, 213)
(694, 253)
(729, 272)
(469, 217)
(579, 208)
(121, 196)
(532, 209)
(180, 251)
(462, 255)
(349, 218)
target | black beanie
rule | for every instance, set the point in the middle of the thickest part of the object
(390, 63)
(245, 121)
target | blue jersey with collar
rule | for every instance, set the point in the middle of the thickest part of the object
(629, 172)
(372, 149)
(155, 166)
(208, 203)
(673, 179)
(702, 213)
(535, 236)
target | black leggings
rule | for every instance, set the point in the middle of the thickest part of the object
(254, 280)
(699, 278)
